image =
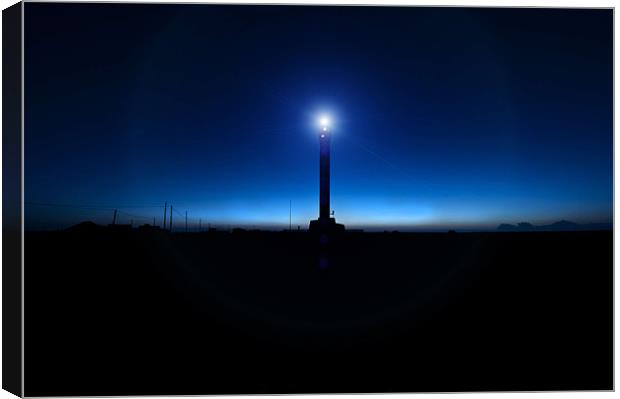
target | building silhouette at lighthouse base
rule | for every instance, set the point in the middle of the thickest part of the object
(326, 225)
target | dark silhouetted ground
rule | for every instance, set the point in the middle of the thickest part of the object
(207, 313)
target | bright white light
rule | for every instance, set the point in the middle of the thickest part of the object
(324, 122)
(322, 136)
(324, 128)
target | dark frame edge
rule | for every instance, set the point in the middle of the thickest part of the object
(12, 201)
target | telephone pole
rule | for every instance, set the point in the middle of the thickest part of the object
(290, 215)
(199, 224)
(171, 217)
(114, 218)
(165, 207)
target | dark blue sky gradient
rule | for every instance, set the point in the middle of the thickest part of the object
(442, 117)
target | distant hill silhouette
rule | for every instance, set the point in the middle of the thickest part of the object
(562, 225)
(87, 226)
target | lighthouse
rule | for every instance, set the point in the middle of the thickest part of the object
(325, 223)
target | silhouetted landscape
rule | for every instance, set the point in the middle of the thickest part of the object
(150, 312)
(562, 225)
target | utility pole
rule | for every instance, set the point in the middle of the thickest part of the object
(114, 218)
(290, 214)
(165, 207)
(171, 217)
(153, 222)
(199, 224)
(186, 230)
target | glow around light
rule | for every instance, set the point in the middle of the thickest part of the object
(324, 122)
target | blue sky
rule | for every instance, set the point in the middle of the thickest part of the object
(442, 117)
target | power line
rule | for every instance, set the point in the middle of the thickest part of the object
(135, 216)
(405, 173)
(85, 206)
(120, 212)
(109, 208)
(371, 152)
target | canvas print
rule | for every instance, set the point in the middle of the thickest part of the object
(285, 199)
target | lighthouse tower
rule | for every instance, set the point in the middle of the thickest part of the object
(325, 223)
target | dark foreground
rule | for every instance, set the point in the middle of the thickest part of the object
(209, 313)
